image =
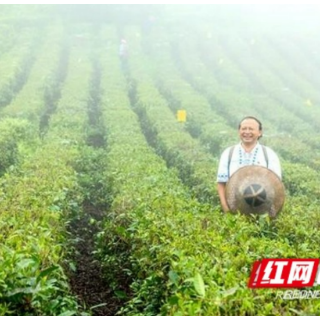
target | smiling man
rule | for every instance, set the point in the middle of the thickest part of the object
(248, 152)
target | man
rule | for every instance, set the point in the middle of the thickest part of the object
(123, 49)
(248, 152)
(123, 54)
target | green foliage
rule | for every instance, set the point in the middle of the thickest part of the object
(29, 288)
(91, 167)
(13, 131)
(45, 191)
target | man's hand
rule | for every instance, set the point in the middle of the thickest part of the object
(225, 209)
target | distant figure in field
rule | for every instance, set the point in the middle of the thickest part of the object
(123, 53)
(123, 49)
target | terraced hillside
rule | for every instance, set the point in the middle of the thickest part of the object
(108, 204)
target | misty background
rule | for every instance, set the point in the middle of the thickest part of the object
(268, 50)
(267, 17)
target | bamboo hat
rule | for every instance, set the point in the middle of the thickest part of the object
(255, 189)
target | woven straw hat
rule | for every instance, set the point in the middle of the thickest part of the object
(255, 189)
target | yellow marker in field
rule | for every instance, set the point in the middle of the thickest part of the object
(182, 115)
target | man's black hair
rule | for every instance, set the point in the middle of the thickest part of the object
(250, 117)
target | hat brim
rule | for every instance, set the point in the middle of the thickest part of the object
(255, 189)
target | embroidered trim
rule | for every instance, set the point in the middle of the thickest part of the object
(246, 158)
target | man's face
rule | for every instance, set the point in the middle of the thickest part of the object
(249, 131)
